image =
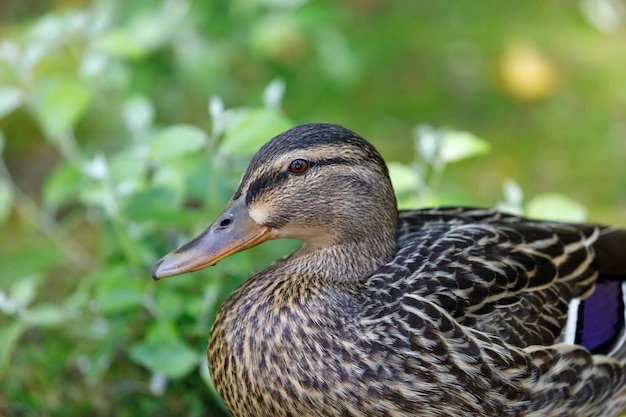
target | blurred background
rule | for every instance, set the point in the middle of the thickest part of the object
(124, 127)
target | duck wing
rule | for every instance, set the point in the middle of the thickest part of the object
(508, 276)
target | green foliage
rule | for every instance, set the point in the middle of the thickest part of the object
(6, 200)
(418, 184)
(106, 213)
(59, 103)
(133, 198)
(10, 99)
(163, 352)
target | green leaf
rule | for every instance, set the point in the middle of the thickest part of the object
(49, 28)
(117, 293)
(128, 168)
(138, 114)
(273, 34)
(6, 200)
(158, 205)
(178, 140)
(556, 207)
(426, 142)
(145, 32)
(163, 351)
(408, 185)
(44, 315)
(10, 99)
(62, 187)
(98, 195)
(173, 174)
(10, 52)
(337, 57)
(273, 94)
(19, 259)
(513, 198)
(455, 146)
(404, 178)
(123, 44)
(171, 304)
(248, 130)
(10, 335)
(60, 103)
(23, 291)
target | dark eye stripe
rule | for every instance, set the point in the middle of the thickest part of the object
(264, 183)
(331, 161)
(276, 179)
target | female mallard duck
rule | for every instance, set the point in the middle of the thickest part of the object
(446, 312)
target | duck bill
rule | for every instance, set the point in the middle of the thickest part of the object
(232, 232)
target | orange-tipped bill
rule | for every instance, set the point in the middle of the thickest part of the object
(232, 232)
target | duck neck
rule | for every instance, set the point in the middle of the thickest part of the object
(347, 261)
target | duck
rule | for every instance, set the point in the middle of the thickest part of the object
(449, 311)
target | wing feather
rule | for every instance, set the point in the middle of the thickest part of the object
(497, 273)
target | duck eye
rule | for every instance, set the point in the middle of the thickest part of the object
(298, 166)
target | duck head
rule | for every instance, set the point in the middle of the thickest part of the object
(318, 183)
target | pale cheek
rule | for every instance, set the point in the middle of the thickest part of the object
(259, 213)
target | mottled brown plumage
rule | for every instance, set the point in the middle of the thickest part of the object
(442, 312)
